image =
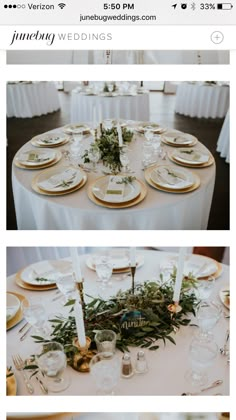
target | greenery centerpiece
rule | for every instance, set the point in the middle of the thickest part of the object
(109, 148)
(108, 85)
(141, 319)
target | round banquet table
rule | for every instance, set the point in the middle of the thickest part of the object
(202, 100)
(159, 380)
(27, 100)
(159, 210)
(121, 106)
(223, 141)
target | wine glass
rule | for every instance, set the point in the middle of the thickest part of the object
(94, 156)
(104, 269)
(202, 355)
(52, 362)
(205, 288)
(208, 315)
(148, 134)
(124, 160)
(147, 153)
(66, 285)
(105, 369)
(156, 142)
(35, 314)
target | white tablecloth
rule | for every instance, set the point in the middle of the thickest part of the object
(167, 365)
(27, 100)
(128, 107)
(223, 141)
(159, 210)
(202, 101)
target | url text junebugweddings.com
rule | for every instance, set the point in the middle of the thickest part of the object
(66, 36)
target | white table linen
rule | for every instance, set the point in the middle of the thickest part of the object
(27, 100)
(167, 365)
(159, 210)
(202, 100)
(223, 142)
(127, 107)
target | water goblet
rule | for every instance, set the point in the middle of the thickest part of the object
(148, 134)
(104, 269)
(105, 369)
(147, 153)
(35, 314)
(124, 159)
(94, 156)
(208, 315)
(66, 285)
(52, 362)
(205, 288)
(202, 355)
(106, 341)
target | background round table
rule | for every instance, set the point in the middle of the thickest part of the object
(159, 380)
(122, 106)
(159, 210)
(202, 100)
(27, 99)
(223, 141)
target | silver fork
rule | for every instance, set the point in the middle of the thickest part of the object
(19, 365)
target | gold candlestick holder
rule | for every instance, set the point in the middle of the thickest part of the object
(174, 308)
(80, 288)
(81, 359)
(133, 271)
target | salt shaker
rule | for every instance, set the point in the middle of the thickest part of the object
(141, 363)
(126, 368)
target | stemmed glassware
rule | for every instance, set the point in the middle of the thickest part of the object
(208, 315)
(202, 355)
(148, 134)
(35, 314)
(105, 369)
(104, 269)
(94, 156)
(205, 288)
(66, 285)
(124, 159)
(147, 153)
(51, 360)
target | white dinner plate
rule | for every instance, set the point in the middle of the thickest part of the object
(59, 179)
(156, 128)
(198, 265)
(223, 296)
(131, 190)
(168, 176)
(193, 156)
(13, 305)
(75, 128)
(119, 262)
(50, 139)
(178, 138)
(48, 271)
(36, 157)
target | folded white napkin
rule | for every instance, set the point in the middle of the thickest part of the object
(56, 180)
(193, 156)
(169, 177)
(114, 192)
(43, 268)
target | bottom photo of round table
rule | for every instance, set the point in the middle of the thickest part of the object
(118, 321)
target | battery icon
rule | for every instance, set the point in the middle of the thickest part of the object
(224, 6)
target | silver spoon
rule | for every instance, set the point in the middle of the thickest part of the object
(213, 385)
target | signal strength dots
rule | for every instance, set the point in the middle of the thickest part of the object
(61, 5)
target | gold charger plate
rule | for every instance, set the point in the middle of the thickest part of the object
(19, 315)
(34, 143)
(28, 286)
(147, 174)
(127, 204)
(11, 384)
(189, 165)
(46, 165)
(178, 145)
(43, 192)
(218, 271)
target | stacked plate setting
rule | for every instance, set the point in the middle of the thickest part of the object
(40, 276)
(155, 128)
(50, 140)
(178, 139)
(111, 191)
(36, 159)
(191, 157)
(121, 263)
(76, 129)
(59, 181)
(171, 179)
(14, 311)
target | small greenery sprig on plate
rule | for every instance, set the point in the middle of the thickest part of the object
(108, 146)
(41, 279)
(126, 180)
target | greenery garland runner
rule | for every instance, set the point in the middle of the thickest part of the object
(108, 146)
(139, 319)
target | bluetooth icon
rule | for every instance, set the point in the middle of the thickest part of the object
(193, 6)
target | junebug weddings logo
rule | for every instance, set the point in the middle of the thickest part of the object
(48, 37)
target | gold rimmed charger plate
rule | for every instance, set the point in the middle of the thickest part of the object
(217, 273)
(179, 145)
(34, 143)
(28, 286)
(46, 165)
(11, 384)
(58, 193)
(193, 187)
(19, 315)
(189, 165)
(127, 204)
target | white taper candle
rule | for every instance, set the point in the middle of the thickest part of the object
(76, 264)
(179, 274)
(79, 321)
(132, 256)
(120, 138)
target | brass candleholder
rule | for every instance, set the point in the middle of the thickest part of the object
(80, 288)
(81, 360)
(174, 308)
(133, 271)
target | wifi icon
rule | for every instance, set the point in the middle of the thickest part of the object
(61, 5)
